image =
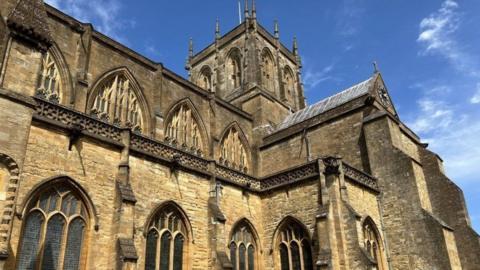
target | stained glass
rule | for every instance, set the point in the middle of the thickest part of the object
(74, 244)
(151, 253)
(29, 245)
(53, 242)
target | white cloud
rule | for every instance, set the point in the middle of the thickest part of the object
(313, 78)
(103, 14)
(437, 36)
(476, 97)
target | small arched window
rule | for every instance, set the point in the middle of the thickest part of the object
(166, 240)
(54, 231)
(294, 247)
(372, 243)
(243, 248)
(233, 68)
(268, 70)
(233, 152)
(183, 129)
(205, 78)
(116, 102)
(50, 84)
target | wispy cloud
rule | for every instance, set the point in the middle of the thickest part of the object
(349, 19)
(451, 133)
(105, 15)
(313, 78)
(437, 36)
(476, 97)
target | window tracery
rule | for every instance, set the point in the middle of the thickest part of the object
(117, 103)
(294, 248)
(166, 241)
(50, 81)
(267, 70)
(184, 130)
(242, 248)
(54, 231)
(233, 152)
(372, 242)
(234, 69)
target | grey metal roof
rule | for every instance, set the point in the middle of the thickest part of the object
(327, 104)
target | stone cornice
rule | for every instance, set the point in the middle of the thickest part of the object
(66, 118)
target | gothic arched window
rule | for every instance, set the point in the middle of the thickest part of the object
(205, 78)
(294, 247)
(50, 83)
(268, 70)
(166, 240)
(54, 231)
(242, 246)
(372, 243)
(183, 129)
(234, 69)
(116, 102)
(233, 152)
(289, 85)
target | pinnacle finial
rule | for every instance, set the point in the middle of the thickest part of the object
(254, 9)
(246, 11)
(276, 31)
(295, 46)
(375, 67)
(190, 48)
(217, 29)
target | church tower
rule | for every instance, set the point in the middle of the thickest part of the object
(250, 68)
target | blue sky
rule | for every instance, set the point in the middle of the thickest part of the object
(428, 53)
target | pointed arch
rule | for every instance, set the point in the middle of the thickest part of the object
(205, 78)
(293, 245)
(234, 68)
(117, 97)
(168, 234)
(57, 216)
(268, 69)
(372, 242)
(244, 245)
(55, 81)
(234, 150)
(193, 136)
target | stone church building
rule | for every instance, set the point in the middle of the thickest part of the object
(109, 160)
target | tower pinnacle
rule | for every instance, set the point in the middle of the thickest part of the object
(217, 29)
(254, 9)
(276, 31)
(246, 11)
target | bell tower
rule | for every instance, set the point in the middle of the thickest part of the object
(250, 68)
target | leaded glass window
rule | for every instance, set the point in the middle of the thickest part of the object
(205, 78)
(242, 247)
(372, 242)
(294, 248)
(168, 232)
(54, 231)
(50, 84)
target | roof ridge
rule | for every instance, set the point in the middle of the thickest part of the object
(326, 104)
